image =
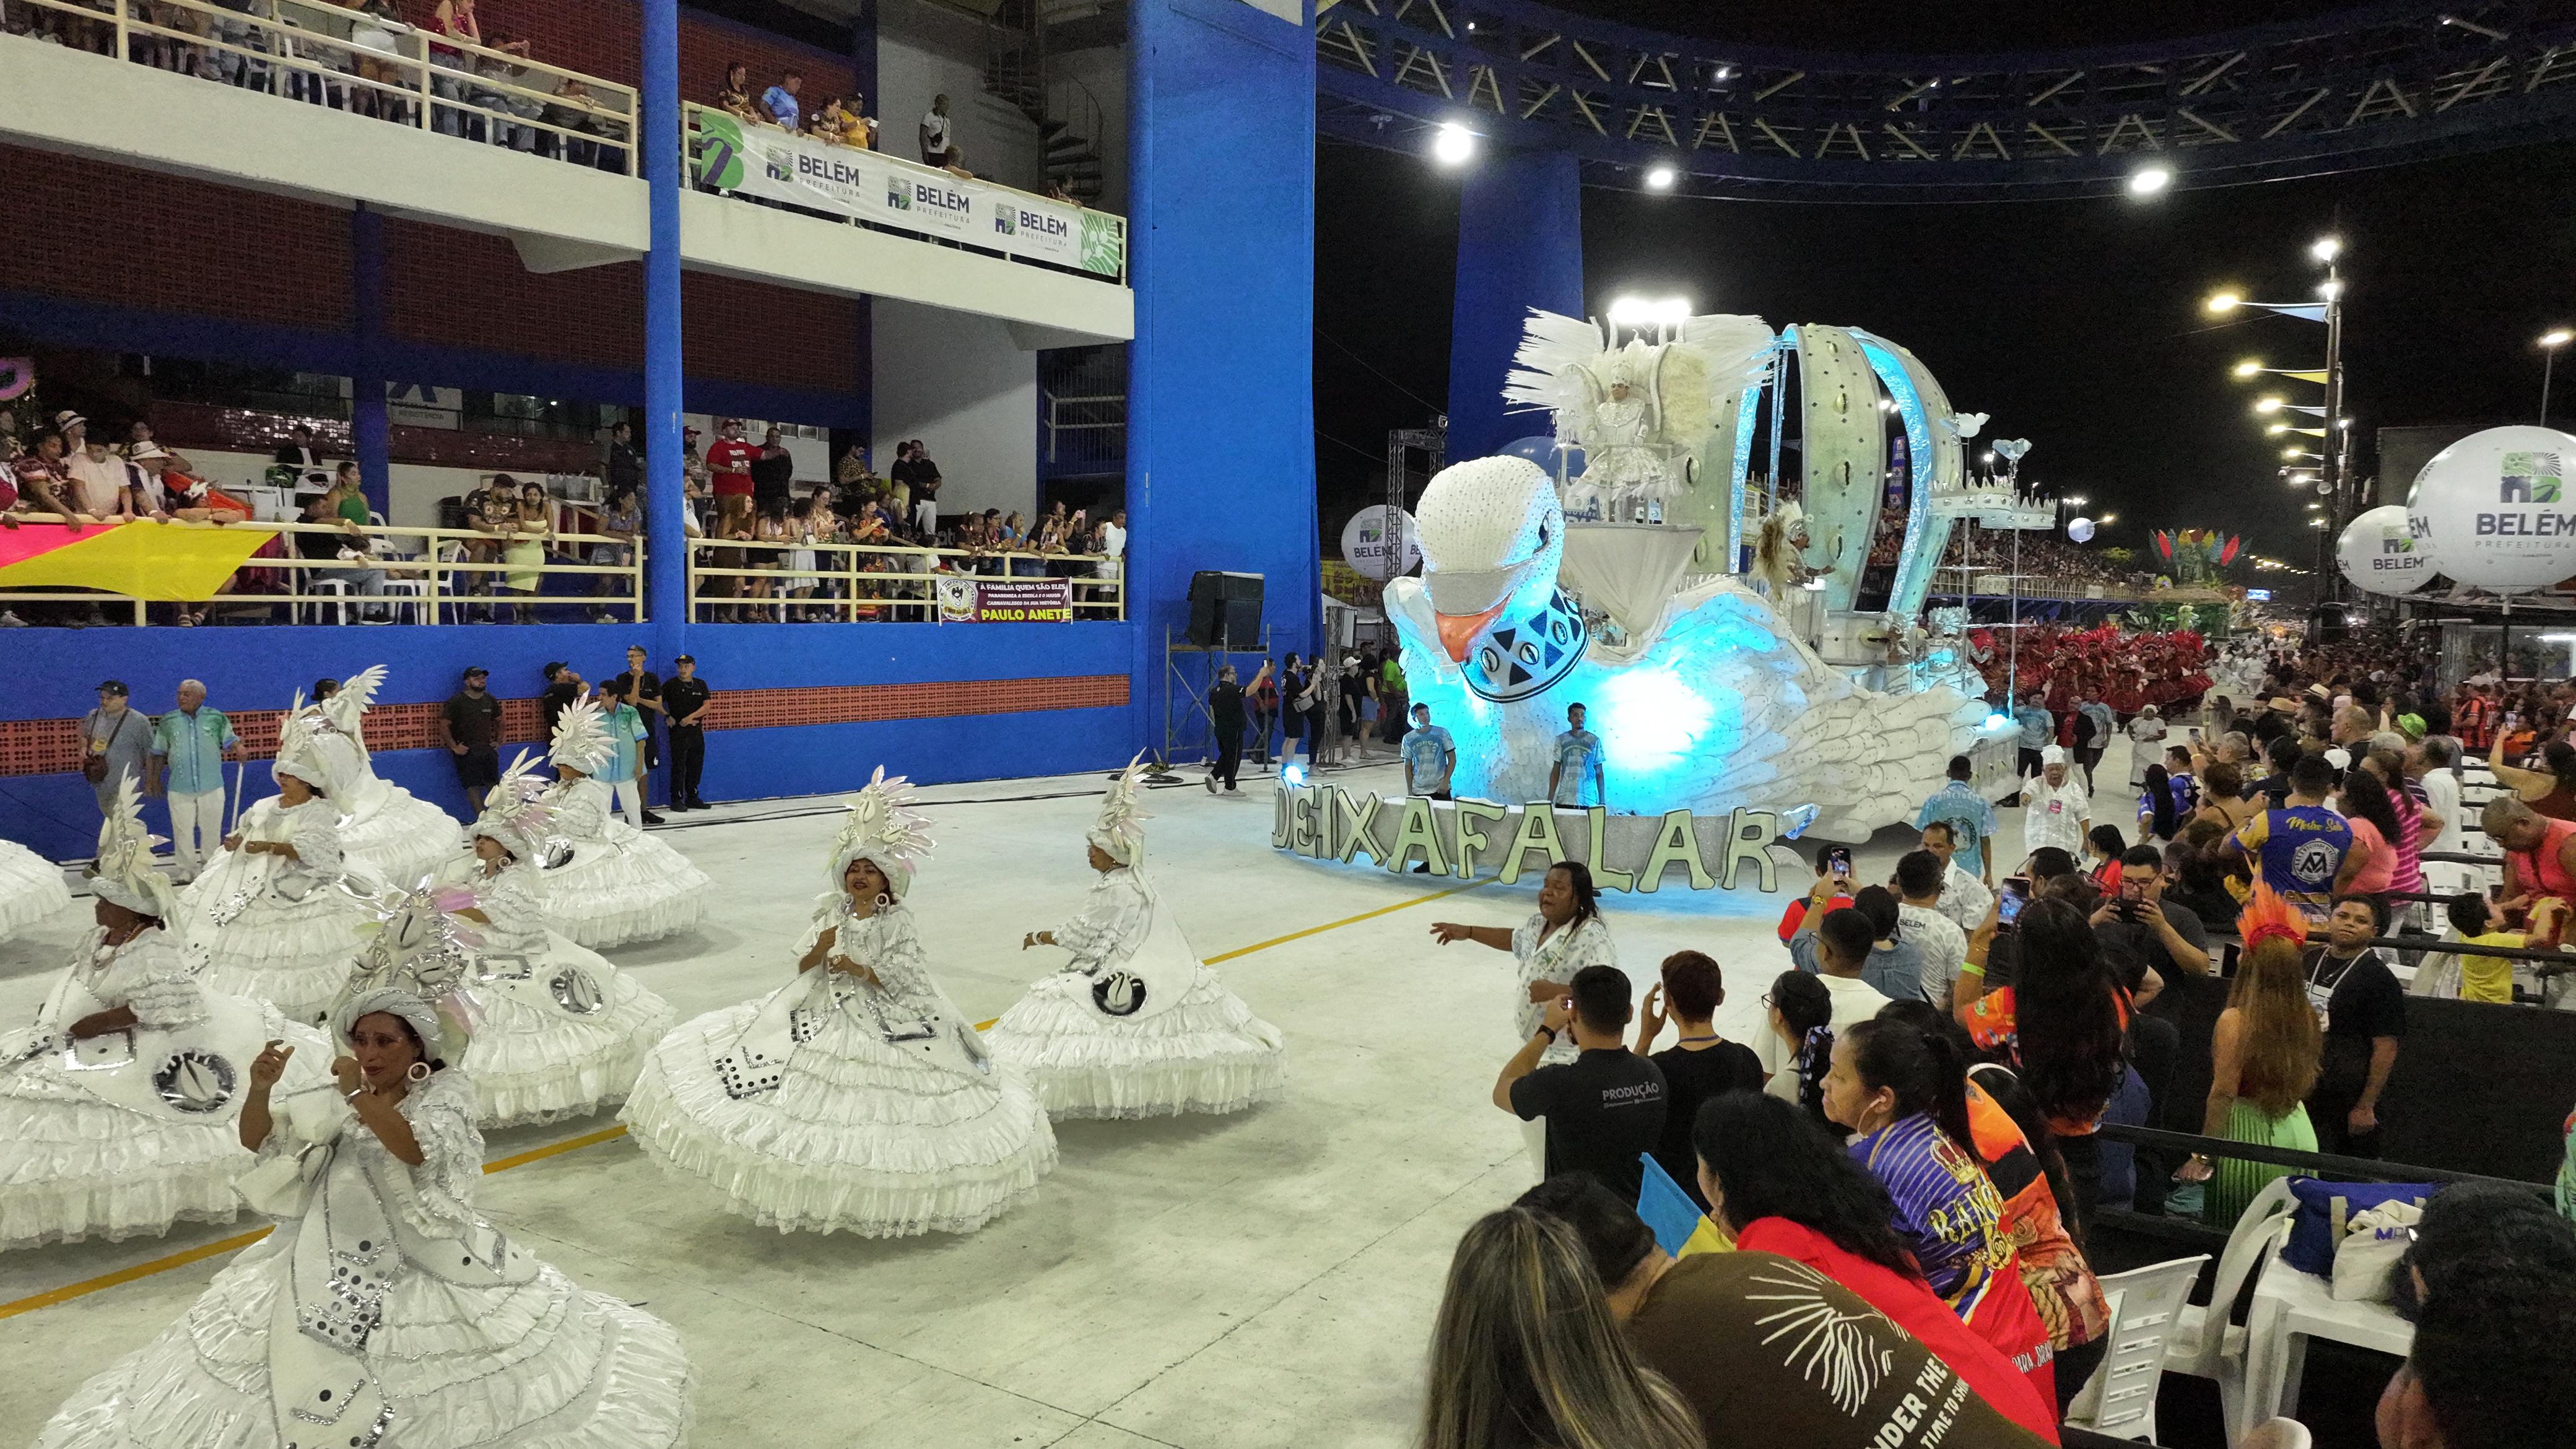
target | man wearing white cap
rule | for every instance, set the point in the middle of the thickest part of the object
(2057, 809)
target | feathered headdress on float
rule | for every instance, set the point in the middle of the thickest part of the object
(581, 738)
(298, 751)
(515, 812)
(417, 963)
(2266, 914)
(124, 872)
(883, 830)
(1120, 830)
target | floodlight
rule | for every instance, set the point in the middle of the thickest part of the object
(2150, 179)
(1452, 144)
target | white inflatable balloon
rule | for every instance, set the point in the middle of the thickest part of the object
(2080, 530)
(2379, 552)
(2498, 508)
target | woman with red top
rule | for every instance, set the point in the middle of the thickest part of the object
(1904, 1096)
(2063, 1026)
(1831, 892)
(1778, 1184)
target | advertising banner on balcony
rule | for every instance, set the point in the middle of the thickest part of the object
(778, 165)
(1005, 601)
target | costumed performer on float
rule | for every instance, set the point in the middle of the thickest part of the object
(857, 1097)
(604, 882)
(271, 917)
(117, 1108)
(383, 826)
(383, 1311)
(31, 888)
(561, 1031)
(1135, 1025)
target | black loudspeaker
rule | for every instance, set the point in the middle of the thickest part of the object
(1225, 610)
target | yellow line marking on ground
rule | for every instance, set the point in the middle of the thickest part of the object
(121, 1276)
(1337, 925)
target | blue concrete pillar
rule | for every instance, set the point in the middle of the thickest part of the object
(1221, 388)
(369, 433)
(666, 576)
(1520, 245)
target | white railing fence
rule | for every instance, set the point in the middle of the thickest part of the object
(849, 582)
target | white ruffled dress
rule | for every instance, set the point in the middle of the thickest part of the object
(123, 1135)
(275, 929)
(615, 884)
(563, 1032)
(1137, 1026)
(391, 831)
(443, 1332)
(831, 1105)
(31, 888)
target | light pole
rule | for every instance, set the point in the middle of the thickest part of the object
(2550, 342)
(2335, 436)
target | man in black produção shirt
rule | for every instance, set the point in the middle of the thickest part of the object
(469, 725)
(2364, 1010)
(1225, 711)
(684, 702)
(1604, 1108)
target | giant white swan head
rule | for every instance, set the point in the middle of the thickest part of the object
(1492, 535)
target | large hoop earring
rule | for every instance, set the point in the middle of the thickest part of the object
(884, 900)
(417, 1072)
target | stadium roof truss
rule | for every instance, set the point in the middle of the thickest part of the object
(2368, 87)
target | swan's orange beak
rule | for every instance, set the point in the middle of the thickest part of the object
(1459, 630)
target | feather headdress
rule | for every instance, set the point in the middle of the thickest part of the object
(883, 830)
(299, 745)
(417, 963)
(347, 710)
(124, 872)
(515, 811)
(1120, 830)
(2267, 914)
(581, 737)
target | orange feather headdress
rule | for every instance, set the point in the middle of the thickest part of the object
(2267, 914)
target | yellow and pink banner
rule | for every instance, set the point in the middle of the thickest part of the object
(162, 562)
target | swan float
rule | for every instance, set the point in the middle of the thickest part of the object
(1710, 703)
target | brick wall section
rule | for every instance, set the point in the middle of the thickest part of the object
(170, 244)
(52, 746)
(467, 289)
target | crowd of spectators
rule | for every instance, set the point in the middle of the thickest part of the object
(365, 57)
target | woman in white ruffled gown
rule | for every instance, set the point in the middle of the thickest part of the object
(563, 1031)
(857, 1097)
(31, 888)
(269, 916)
(1135, 1025)
(606, 883)
(384, 827)
(383, 1310)
(118, 1106)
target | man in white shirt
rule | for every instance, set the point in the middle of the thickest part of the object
(939, 138)
(1942, 941)
(1964, 898)
(1843, 941)
(99, 482)
(2430, 764)
(2056, 809)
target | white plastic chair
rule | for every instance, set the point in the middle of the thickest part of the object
(2204, 1344)
(323, 586)
(2277, 1434)
(2147, 1306)
(406, 598)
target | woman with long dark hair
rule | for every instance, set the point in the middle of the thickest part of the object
(1904, 1095)
(1777, 1183)
(2155, 805)
(1801, 1012)
(2551, 790)
(2264, 1055)
(1525, 1353)
(2061, 1026)
(2370, 867)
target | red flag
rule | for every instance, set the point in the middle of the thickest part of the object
(2227, 555)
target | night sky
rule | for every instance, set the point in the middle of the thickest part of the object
(2077, 324)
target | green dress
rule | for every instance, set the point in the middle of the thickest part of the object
(2237, 1181)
